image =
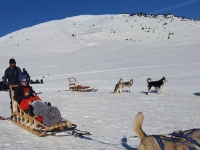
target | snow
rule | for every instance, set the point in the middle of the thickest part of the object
(97, 56)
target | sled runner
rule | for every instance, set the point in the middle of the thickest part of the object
(29, 123)
(74, 85)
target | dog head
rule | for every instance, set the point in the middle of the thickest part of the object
(120, 81)
(164, 79)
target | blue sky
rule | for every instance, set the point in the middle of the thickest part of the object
(19, 14)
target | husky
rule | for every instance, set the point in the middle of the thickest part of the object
(191, 136)
(118, 86)
(128, 85)
(158, 142)
(157, 84)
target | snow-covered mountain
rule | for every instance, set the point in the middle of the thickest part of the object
(97, 51)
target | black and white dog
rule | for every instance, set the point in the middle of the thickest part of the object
(157, 84)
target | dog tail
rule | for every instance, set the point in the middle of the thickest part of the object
(137, 125)
(149, 79)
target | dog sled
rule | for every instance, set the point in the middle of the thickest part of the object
(74, 85)
(29, 123)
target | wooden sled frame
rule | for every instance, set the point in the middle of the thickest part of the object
(74, 85)
(29, 123)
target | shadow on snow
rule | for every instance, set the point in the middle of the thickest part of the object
(197, 94)
(123, 141)
(125, 145)
(152, 91)
(91, 139)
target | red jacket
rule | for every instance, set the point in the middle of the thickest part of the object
(25, 102)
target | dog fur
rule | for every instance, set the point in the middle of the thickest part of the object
(193, 134)
(157, 84)
(118, 86)
(149, 142)
(128, 85)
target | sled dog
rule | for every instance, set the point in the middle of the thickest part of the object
(157, 84)
(158, 142)
(128, 85)
(192, 136)
(118, 86)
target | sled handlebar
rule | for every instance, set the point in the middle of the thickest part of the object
(14, 86)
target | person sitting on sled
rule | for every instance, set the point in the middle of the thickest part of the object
(31, 103)
(24, 95)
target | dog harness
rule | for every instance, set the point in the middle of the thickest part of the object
(160, 143)
(185, 136)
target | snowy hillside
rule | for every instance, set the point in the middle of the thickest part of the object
(97, 51)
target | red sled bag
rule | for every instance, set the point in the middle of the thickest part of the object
(39, 118)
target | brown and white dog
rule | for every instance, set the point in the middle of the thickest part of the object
(118, 86)
(161, 142)
(128, 85)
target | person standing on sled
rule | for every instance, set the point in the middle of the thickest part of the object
(11, 77)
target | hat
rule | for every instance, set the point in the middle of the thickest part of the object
(12, 60)
(22, 78)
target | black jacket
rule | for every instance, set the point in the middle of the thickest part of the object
(13, 75)
(19, 93)
(26, 73)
